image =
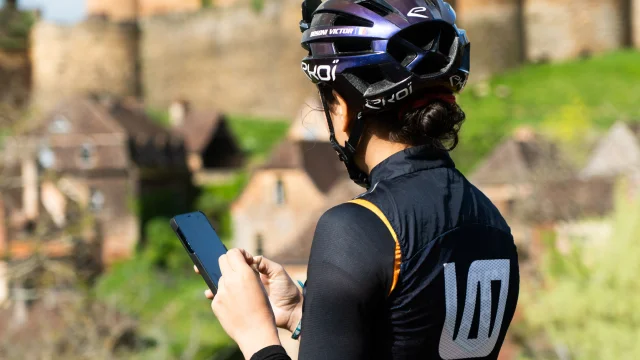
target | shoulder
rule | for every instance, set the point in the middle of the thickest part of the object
(354, 229)
(353, 240)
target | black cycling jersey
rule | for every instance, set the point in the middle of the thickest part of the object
(421, 266)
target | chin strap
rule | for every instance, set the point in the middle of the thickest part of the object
(347, 152)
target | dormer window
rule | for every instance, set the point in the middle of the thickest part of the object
(279, 192)
(60, 125)
(87, 155)
(259, 245)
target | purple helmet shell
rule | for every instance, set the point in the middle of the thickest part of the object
(376, 53)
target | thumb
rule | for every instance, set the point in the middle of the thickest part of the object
(266, 266)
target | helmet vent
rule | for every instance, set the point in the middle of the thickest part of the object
(434, 40)
(376, 6)
(350, 20)
(352, 45)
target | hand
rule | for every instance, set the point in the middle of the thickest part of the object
(284, 295)
(241, 305)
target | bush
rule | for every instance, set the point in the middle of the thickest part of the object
(587, 306)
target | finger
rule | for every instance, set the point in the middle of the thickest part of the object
(209, 294)
(195, 268)
(223, 262)
(237, 261)
(268, 267)
(247, 256)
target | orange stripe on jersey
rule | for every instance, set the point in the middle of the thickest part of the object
(398, 254)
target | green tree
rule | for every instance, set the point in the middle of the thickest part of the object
(163, 249)
(587, 305)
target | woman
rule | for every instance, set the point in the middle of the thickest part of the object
(422, 265)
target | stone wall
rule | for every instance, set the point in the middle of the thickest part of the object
(92, 56)
(635, 22)
(564, 29)
(494, 28)
(126, 10)
(15, 78)
(233, 59)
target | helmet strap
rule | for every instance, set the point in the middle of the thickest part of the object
(347, 152)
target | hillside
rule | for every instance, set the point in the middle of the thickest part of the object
(563, 99)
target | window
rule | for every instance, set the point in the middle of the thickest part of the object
(280, 195)
(96, 200)
(46, 157)
(86, 155)
(259, 245)
(60, 125)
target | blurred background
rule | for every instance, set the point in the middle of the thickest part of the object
(117, 114)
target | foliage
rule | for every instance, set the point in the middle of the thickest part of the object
(14, 29)
(170, 307)
(257, 5)
(587, 306)
(258, 135)
(215, 201)
(207, 3)
(607, 86)
(161, 117)
(161, 202)
(162, 249)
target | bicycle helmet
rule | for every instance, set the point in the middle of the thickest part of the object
(378, 53)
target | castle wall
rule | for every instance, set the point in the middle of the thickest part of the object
(564, 29)
(495, 30)
(93, 56)
(233, 59)
(127, 10)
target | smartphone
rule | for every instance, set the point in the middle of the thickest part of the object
(202, 244)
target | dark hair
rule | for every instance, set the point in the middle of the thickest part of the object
(436, 124)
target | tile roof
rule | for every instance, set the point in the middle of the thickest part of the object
(317, 158)
(519, 160)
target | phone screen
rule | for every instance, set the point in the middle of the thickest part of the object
(202, 243)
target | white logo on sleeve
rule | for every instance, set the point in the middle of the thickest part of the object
(481, 274)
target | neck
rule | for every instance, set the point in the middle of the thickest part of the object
(373, 150)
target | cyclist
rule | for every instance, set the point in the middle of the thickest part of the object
(420, 266)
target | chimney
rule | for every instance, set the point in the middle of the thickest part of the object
(30, 188)
(178, 112)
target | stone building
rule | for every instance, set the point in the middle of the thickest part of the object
(105, 157)
(538, 191)
(283, 194)
(213, 152)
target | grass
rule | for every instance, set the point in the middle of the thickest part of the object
(257, 135)
(608, 86)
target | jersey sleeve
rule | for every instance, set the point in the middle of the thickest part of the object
(349, 277)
